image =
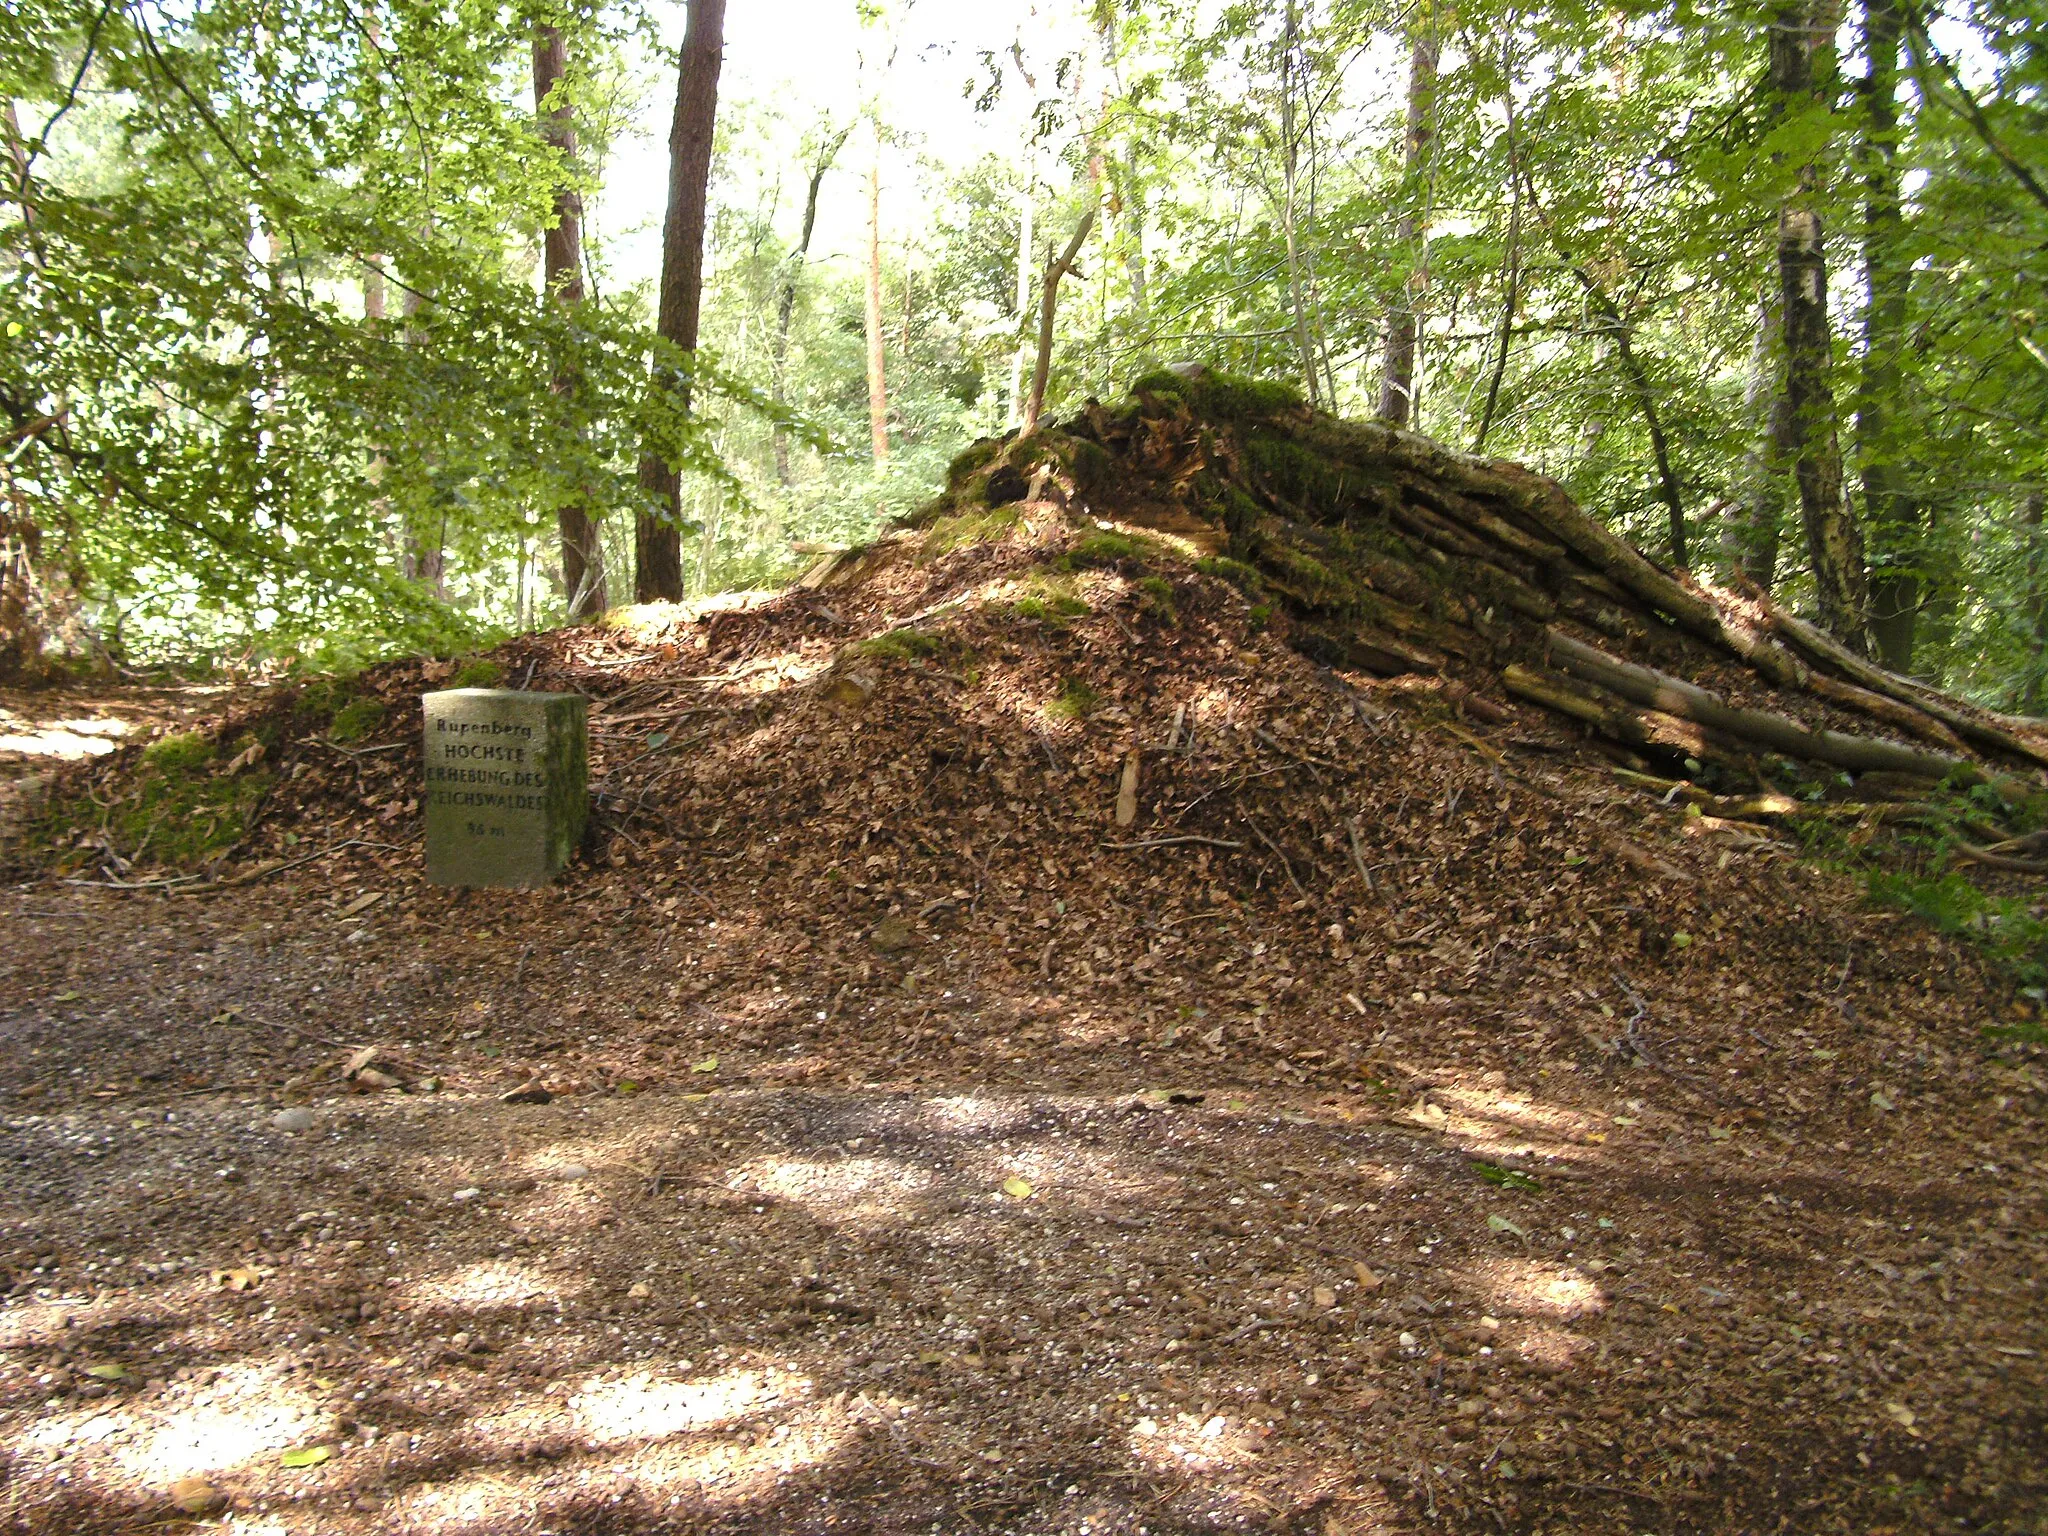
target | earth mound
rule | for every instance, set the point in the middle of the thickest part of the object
(1266, 966)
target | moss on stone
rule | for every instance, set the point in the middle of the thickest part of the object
(1222, 396)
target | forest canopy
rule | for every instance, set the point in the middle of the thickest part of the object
(329, 330)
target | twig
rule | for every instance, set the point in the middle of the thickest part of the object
(1172, 842)
(1986, 857)
(290, 1029)
(1634, 1041)
(264, 872)
(1259, 832)
(321, 741)
(1258, 1326)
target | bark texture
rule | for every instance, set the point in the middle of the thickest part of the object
(878, 378)
(658, 530)
(1834, 541)
(583, 576)
(1896, 524)
(1397, 369)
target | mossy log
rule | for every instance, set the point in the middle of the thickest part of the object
(1385, 552)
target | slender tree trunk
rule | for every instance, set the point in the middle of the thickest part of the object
(1397, 371)
(1895, 523)
(1026, 214)
(2035, 682)
(1512, 277)
(1290, 168)
(878, 379)
(1750, 538)
(1834, 542)
(583, 575)
(424, 556)
(785, 306)
(1048, 304)
(658, 530)
(1134, 224)
(374, 302)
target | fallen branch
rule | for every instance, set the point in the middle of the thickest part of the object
(1671, 695)
(1175, 842)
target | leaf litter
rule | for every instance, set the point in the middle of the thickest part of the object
(903, 926)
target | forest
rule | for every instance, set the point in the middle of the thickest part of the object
(1065, 767)
(1759, 285)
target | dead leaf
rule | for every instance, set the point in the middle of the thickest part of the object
(241, 1278)
(1016, 1188)
(247, 757)
(362, 903)
(1502, 1224)
(358, 1060)
(1325, 1297)
(639, 1290)
(1367, 1280)
(196, 1496)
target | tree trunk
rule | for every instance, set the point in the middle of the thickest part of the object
(2034, 686)
(878, 380)
(1397, 372)
(785, 307)
(1290, 140)
(1896, 524)
(1048, 304)
(1834, 542)
(1026, 213)
(658, 530)
(583, 576)
(1511, 278)
(1750, 538)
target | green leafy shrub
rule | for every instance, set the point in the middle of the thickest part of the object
(2008, 929)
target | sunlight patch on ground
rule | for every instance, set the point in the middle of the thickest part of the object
(1186, 1442)
(249, 1413)
(646, 1407)
(491, 1283)
(684, 1464)
(1515, 1109)
(973, 1112)
(68, 739)
(838, 1189)
(1533, 1288)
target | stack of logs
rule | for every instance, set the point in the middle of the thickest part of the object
(1391, 553)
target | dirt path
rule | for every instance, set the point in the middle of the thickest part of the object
(957, 1275)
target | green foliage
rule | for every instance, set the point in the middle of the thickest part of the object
(2013, 932)
(1050, 598)
(356, 719)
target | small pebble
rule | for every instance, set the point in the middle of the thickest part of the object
(297, 1118)
(570, 1171)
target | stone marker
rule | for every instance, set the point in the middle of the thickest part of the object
(505, 785)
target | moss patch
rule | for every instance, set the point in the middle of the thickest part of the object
(947, 534)
(355, 720)
(1050, 598)
(477, 672)
(900, 645)
(1223, 395)
(1075, 701)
